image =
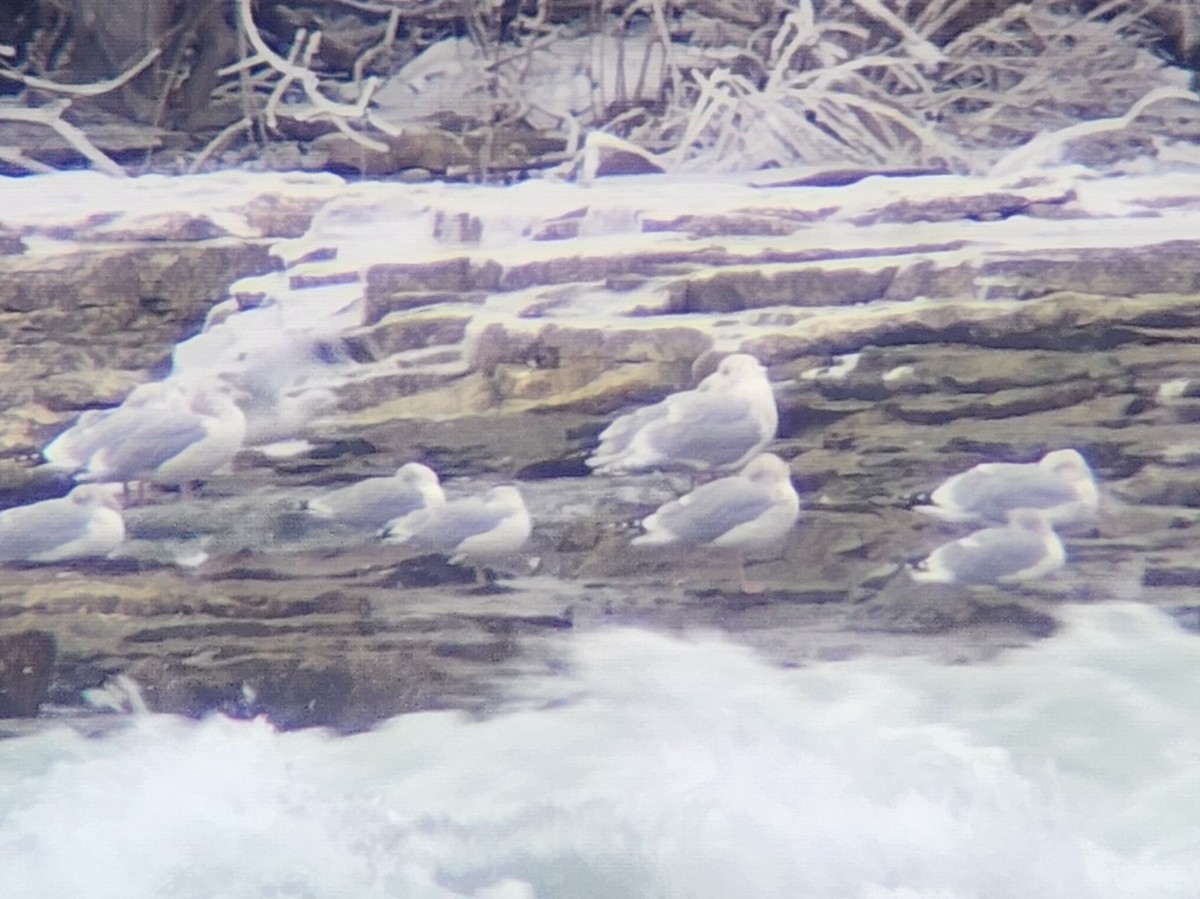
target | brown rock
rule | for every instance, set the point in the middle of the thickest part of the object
(940, 409)
(433, 150)
(402, 332)
(735, 288)
(26, 668)
(461, 275)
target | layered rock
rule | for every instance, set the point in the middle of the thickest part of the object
(913, 328)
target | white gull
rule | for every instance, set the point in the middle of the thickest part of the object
(95, 428)
(1025, 549)
(374, 502)
(477, 529)
(281, 372)
(173, 445)
(1061, 486)
(729, 418)
(86, 522)
(749, 510)
(285, 417)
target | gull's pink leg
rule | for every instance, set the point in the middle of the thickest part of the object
(746, 585)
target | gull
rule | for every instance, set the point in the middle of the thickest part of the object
(85, 522)
(93, 429)
(477, 529)
(749, 510)
(1060, 486)
(374, 502)
(721, 424)
(1024, 549)
(174, 445)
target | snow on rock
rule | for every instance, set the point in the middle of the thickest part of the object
(557, 295)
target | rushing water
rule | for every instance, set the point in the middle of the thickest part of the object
(659, 767)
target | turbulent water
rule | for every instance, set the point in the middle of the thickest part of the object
(659, 767)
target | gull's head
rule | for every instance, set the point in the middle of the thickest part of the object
(417, 475)
(154, 393)
(735, 369)
(1073, 468)
(1068, 464)
(740, 365)
(768, 468)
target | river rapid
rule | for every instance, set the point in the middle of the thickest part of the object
(657, 766)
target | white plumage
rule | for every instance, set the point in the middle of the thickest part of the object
(729, 418)
(1025, 549)
(86, 522)
(374, 502)
(476, 529)
(171, 444)
(750, 510)
(1060, 486)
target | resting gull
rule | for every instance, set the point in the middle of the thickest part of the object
(85, 522)
(1024, 549)
(93, 429)
(721, 424)
(754, 508)
(1060, 486)
(172, 445)
(477, 529)
(376, 501)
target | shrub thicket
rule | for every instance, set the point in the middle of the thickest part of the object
(705, 84)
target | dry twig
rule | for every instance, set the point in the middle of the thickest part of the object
(51, 117)
(319, 107)
(93, 89)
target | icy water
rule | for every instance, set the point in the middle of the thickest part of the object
(658, 767)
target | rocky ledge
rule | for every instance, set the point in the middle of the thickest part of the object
(913, 327)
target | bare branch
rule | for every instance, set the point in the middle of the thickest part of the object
(320, 107)
(307, 79)
(389, 38)
(15, 156)
(51, 117)
(219, 141)
(1048, 146)
(93, 89)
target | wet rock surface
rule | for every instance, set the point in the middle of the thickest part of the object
(26, 667)
(489, 364)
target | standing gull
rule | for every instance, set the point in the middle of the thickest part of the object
(85, 522)
(173, 445)
(1023, 550)
(754, 508)
(721, 424)
(374, 502)
(477, 529)
(1060, 486)
(93, 429)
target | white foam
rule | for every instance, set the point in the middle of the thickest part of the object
(663, 768)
